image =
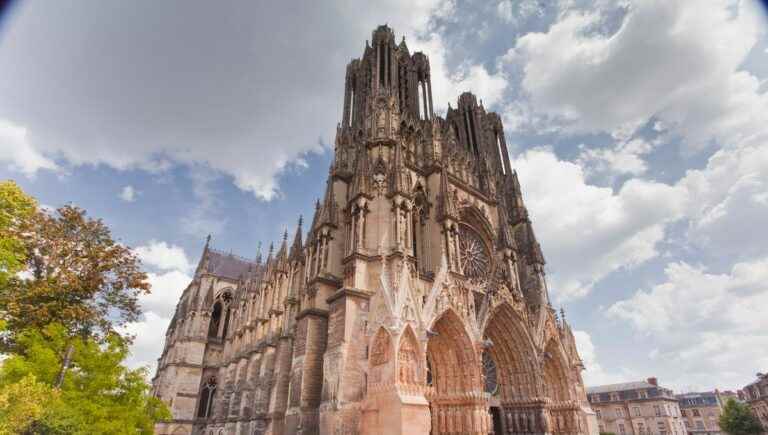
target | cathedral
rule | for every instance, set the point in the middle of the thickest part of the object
(414, 303)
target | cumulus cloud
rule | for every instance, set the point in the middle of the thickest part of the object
(163, 256)
(135, 95)
(730, 203)
(447, 85)
(594, 373)
(625, 158)
(705, 322)
(17, 151)
(588, 231)
(672, 60)
(158, 306)
(128, 194)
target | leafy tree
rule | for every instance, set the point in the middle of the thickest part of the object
(98, 394)
(79, 277)
(16, 210)
(737, 419)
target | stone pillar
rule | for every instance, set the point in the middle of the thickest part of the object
(307, 372)
(279, 395)
(344, 361)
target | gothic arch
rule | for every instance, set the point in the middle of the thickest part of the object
(451, 355)
(513, 352)
(408, 357)
(474, 217)
(380, 349)
(556, 372)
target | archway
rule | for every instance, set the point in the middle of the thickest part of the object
(456, 398)
(517, 401)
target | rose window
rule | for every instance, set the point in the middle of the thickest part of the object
(475, 262)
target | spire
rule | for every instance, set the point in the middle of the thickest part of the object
(328, 210)
(283, 252)
(296, 248)
(506, 239)
(361, 179)
(518, 212)
(207, 242)
(446, 206)
(271, 251)
(398, 175)
(258, 254)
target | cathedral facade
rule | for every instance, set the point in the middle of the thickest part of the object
(415, 304)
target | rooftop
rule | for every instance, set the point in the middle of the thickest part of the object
(625, 386)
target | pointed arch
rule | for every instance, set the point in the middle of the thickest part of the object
(513, 352)
(556, 372)
(408, 357)
(452, 357)
(381, 348)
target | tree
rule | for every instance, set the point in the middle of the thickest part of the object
(737, 419)
(16, 210)
(79, 278)
(97, 396)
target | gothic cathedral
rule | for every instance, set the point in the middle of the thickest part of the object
(416, 304)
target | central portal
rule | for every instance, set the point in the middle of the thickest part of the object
(457, 400)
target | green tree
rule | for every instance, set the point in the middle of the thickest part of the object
(737, 419)
(98, 395)
(16, 210)
(78, 276)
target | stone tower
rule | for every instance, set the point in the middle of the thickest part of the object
(416, 305)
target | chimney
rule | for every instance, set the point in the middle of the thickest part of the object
(653, 381)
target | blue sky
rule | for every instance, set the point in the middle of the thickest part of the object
(638, 129)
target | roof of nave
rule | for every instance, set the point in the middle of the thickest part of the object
(625, 386)
(228, 265)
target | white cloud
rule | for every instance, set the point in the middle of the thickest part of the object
(624, 158)
(138, 99)
(18, 152)
(705, 322)
(163, 256)
(447, 86)
(730, 205)
(166, 290)
(672, 60)
(588, 231)
(148, 341)
(594, 373)
(158, 306)
(128, 194)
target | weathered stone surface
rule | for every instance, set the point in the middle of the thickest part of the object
(416, 304)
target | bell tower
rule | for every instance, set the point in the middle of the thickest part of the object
(417, 303)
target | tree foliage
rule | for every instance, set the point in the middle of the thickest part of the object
(16, 210)
(737, 419)
(77, 276)
(98, 396)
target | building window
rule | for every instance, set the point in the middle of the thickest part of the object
(696, 413)
(621, 429)
(636, 411)
(207, 394)
(657, 410)
(597, 413)
(619, 412)
(684, 414)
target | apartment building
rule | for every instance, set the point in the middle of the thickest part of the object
(636, 408)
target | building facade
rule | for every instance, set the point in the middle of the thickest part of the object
(756, 395)
(636, 408)
(415, 304)
(701, 412)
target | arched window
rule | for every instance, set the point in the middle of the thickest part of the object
(501, 153)
(226, 323)
(213, 327)
(205, 404)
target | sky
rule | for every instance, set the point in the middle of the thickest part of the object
(639, 130)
